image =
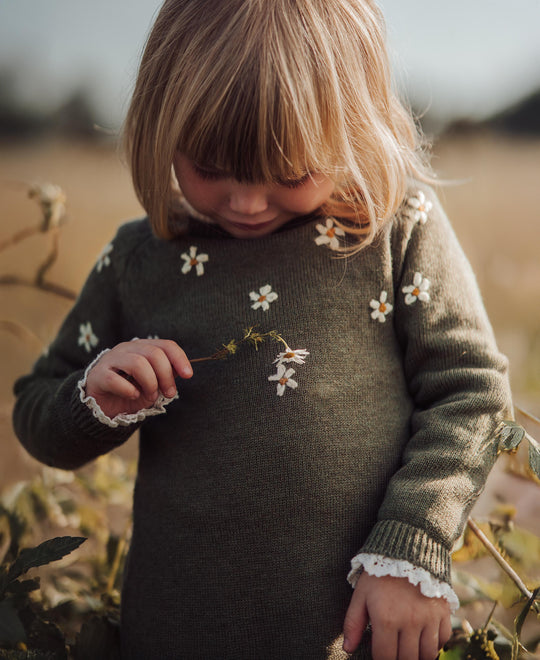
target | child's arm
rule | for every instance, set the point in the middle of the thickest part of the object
(51, 416)
(405, 624)
(459, 384)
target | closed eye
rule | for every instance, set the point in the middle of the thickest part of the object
(294, 183)
(209, 174)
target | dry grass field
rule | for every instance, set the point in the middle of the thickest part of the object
(494, 203)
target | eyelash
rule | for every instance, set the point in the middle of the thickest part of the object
(216, 175)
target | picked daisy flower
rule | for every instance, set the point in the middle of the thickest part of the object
(284, 380)
(298, 355)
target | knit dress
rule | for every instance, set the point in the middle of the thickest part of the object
(372, 430)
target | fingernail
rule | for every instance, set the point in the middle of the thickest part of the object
(170, 392)
(346, 646)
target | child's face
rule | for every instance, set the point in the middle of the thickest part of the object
(249, 210)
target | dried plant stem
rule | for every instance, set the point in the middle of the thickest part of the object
(51, 257)
(21, 332)
(499, 558)
(120, 549)
(50, 287)
(19, 236)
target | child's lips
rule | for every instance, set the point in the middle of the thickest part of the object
(253, 226)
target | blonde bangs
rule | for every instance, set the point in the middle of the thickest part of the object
(272, 90)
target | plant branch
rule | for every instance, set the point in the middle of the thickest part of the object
(499, 558)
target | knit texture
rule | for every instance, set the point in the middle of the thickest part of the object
(253, 495)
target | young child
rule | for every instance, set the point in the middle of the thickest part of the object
(285, 191)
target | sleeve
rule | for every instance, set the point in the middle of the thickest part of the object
(49, 417)
(458, 382)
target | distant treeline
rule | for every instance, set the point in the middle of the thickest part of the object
(76, 117)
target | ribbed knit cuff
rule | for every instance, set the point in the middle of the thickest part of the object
(88, 424)
(398, 540)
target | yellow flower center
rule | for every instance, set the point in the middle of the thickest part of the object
(262, 298)
(283, 380)
(382, 308)
(193, 262)
(416, 291)
(289, 355)
(330, 233)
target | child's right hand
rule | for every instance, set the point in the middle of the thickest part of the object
(150, 364)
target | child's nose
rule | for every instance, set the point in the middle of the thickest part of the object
(248, 199)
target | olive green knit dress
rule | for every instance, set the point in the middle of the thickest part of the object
(372, 431)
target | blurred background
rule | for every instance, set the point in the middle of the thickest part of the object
(470, 70)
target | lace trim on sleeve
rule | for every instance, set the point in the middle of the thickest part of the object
(122, 419)
(379, 565)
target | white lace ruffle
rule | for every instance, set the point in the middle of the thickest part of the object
(123, 419)
(378, 565)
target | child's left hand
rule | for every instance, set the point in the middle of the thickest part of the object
(406, 625)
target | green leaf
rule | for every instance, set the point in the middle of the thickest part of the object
(11, 627)
(510, 436)
(456, 653)
(534, 456)
(18, 587)
(44, 553)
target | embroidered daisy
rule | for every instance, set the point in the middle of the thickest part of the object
(193, 260)
(263, 298)
(283, 377)
(298, 355)
(417, 291)
(87, 338)
(104, 259)
(328, 234)
(419, 207)
(381, 308)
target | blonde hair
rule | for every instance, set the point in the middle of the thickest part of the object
(274, 89)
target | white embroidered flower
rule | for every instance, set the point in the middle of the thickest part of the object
(418, 290)
(283, 376)
(104, 259)
(87, 338)
(263, 298)
(328, 234)
(419, 207)
(193, 259)
(297, 355)
(381, 308)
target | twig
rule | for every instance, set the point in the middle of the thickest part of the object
(50, 287)
(51, 257)
(20, 331)
(19, 236)
(499, 558)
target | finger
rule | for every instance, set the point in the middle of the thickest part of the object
(355, 622)
(176, 356)
(384, 643)
(139, 368)
(162, 367)
(116, 384)
(445, 631)
(408, 645)
(429, 643)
